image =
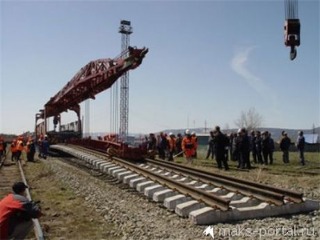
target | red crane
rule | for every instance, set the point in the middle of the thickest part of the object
(90, 80)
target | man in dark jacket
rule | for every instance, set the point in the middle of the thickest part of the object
(271, 148)
(265, 144)
(244, 149)
(210, 146)
(16, 213)
(300, 145)
(253, 146)
(220, 144)
(284, 146)
(258, 146)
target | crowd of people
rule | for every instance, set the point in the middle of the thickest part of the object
(246, 148)
(27, 145)
(16, 210)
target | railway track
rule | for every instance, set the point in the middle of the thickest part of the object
(204, 197)
(10, 173)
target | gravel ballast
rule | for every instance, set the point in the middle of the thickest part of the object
(133, 216)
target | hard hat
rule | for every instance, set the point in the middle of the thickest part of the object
(170, 134)
(187, 131)
(193, 133)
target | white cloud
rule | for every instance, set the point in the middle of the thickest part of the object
(239, 65)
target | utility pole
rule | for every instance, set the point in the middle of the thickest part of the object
(205, 126)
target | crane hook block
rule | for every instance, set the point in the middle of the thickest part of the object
(292, 32)
(292, 36)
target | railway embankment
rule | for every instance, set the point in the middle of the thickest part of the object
(85, 203)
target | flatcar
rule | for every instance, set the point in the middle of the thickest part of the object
(114, 148)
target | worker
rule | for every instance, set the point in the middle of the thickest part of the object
(210, 151)
(285, 143)
(244, 149)
(220, 143)
(30, 149)
(179, 152)
(45, 147)
(188, 146)
(300, 144)
(19, 147)
(195, 138)
(2, 147)
(162, 145)
(16, 213)
(13, 150)
(152, 145)
(172, 146)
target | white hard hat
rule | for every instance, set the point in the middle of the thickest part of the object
(170, 134)
(187, 131)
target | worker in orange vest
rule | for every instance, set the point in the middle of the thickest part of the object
(172, 146)
(188, 146)
(13, 149)
(19, 147)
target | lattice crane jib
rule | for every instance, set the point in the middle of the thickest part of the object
(92, 79)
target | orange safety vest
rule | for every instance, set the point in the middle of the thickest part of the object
(188, 146)
(195, 138)
(172, 143)
(19, 146)
(13, 147)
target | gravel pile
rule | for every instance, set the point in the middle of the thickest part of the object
(136, 217)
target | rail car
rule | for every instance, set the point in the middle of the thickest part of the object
(107, 144)
(62, 137)
(114, 148)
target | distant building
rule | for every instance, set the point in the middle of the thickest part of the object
(311, 138)
(203, 138)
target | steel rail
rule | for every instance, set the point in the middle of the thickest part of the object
(200, 195)
(260, 191)
(36, 223)
(266, 196)
(276, 195)
(2, 160)
(197, 194)
(1, 163)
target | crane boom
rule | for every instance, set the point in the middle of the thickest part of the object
(92, 79)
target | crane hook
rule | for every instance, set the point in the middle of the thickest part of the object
(293, 53)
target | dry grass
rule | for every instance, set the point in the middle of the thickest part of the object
(66, 216)
(293, 175)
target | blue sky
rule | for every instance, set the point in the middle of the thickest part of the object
(207, 61)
